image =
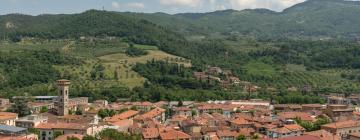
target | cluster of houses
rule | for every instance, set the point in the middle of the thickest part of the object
(181, 120)
(215, 74)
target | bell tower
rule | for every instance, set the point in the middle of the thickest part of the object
(63, 97)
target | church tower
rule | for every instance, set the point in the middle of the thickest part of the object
(63, 97)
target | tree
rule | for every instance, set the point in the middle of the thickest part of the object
(254, 137)
(87, 137)
(180, 103)
(103, 113)
(20, 106)
(44, 109)
(116, 75)
(78, 112)
(57, 134)
(73, 138)
(112, 134)
(241, 137)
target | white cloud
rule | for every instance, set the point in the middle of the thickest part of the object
(188, 3)
(115, 4)
(136, 5)
(277, 5)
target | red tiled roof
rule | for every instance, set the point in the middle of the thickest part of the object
(125, 115)
(123, 123)
(150, 133)
(292, 115)
(173, 135)
(8, 115)
(323, 135)
(151, 114)
(343, 124)
(227, 133)
(240, 121)
(65, 137)
(294, 127)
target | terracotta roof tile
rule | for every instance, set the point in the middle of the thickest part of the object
(343, 124)
(323, 135)
(7, 115)
(122, 116)
(65, 137)
(150, 133)
(174, 135)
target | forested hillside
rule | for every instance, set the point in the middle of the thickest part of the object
(320, 19)
(111, 55)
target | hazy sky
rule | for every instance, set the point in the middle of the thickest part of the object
(35, 7)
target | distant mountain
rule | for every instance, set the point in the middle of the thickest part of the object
(89, 23)
(313, 18)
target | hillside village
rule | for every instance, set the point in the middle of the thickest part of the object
(60, 118)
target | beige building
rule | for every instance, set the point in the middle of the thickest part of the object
(47, 130)
(7, 118)
(4, 102)
(31, 121)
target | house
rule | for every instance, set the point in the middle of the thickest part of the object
(31, 121)
(234, 80)
(290, 116)
(227, 135)
(200, 75)
(310, 107)
(288, 107)
(130, 114)
(286, 131)
(185, 104)
(323, 135)
(157, 114)
(184, 111)
(67, 136)
(337, 100)
(150, 134)
(143, 106)
(101, 103)
(36, 107)
(354, 136)
(47, 130)
(210, 108)
(7, 118)
(4, 102)
(173, 135)
(240, 123)
(214, 70)
(337, 112)
(123, 125)
(343, 128)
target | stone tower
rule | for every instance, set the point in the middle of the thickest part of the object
(63, 97)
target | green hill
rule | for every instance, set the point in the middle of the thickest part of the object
(314, 18)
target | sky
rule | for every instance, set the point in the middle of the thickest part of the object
(36, 7)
